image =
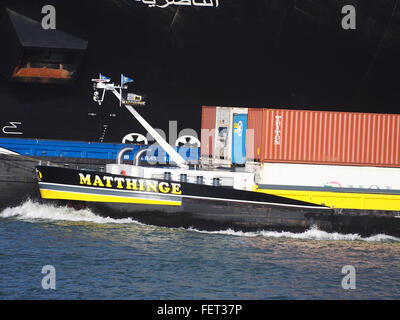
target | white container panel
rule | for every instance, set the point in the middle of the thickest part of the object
(330, 175)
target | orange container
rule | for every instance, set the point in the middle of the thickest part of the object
(325, 137)
(255, 123)
(208, 118)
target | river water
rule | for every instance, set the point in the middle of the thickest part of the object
(101, 258)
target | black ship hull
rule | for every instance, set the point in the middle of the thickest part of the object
(173, 204)
(288, 54)
(211, 215)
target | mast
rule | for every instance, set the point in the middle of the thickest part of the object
(103, 84)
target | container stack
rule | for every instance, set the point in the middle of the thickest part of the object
(326, 142)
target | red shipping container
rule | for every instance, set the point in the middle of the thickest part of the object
(255, 123)
(208, 118)
(326, 137)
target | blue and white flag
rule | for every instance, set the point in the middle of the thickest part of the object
(104, 78)
(125, 79)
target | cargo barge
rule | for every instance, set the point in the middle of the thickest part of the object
(224, 193)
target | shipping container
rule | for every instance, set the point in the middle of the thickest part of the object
(254, 139)
(239, 138)
(223, 136)
(208, 118)
(317, 175)
(324, 137)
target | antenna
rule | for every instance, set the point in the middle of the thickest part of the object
(104, 83)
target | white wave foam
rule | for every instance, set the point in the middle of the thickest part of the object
(312, 234)
(32, 211)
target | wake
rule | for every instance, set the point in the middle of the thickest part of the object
(36, 212)
(312, 234)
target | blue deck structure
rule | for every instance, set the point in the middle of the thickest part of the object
(91, 150)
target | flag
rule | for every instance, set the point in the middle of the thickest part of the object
(104, 78)
(125, 80)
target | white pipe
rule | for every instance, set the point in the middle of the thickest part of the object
(179, 160)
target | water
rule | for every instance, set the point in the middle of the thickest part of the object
(103, 258)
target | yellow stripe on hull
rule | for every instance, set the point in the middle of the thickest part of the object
(344, 200)
(65, 195)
